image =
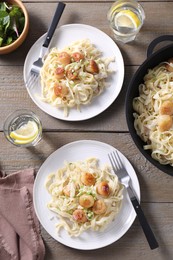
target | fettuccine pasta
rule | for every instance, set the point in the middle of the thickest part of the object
(74, 76)
(154, 112)
(84, 196)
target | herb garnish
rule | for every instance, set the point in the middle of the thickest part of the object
(12, 22)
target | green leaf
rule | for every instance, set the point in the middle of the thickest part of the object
(4, 18)
(16, 11)
(9, 40)
(1, 31)
(2, 6)
(6, 27)
(1, 41)
(21, 23)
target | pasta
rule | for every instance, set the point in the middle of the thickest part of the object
(154, 112)
(84, 196)
(74, 76)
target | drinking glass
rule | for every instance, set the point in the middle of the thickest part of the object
(17, 122)
(126, 19)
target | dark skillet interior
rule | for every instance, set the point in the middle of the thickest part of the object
(162, 55)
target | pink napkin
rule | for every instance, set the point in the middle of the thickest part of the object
(20, 237)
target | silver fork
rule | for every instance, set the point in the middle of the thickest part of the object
(36, 66)
(125, 179)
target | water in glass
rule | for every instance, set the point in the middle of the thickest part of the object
(126, 19)
(23, 128)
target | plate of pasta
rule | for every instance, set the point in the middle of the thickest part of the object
(80, 77)
(79, 200)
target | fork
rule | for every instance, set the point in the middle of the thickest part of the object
(36, 66)
(125, 179)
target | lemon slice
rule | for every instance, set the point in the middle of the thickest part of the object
(25, 134)
(128, 19)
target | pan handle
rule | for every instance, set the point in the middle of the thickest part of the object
(156, 41)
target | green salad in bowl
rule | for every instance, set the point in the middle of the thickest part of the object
(14, 25)
(12, 22)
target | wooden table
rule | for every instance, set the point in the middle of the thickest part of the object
(109, 127)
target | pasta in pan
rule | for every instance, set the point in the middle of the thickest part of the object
(84, 196)
(74, 76)
(154, 112)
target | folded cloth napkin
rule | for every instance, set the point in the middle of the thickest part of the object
(20, 236)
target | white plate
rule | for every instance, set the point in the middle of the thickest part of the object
(64, 36)
(75, 151)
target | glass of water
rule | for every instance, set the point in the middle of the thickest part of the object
(126, 19)
(23, 128)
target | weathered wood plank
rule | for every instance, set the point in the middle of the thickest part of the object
(156, 186)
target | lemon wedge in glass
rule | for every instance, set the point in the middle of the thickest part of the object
(26, 133)
(128, 19)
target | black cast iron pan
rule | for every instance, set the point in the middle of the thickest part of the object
(153, 59)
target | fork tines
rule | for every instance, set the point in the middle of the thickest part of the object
(115, 161)
(32, 79)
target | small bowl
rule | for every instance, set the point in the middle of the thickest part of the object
(14, 45)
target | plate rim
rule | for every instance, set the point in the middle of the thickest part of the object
(66, 146)
(61, 116)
